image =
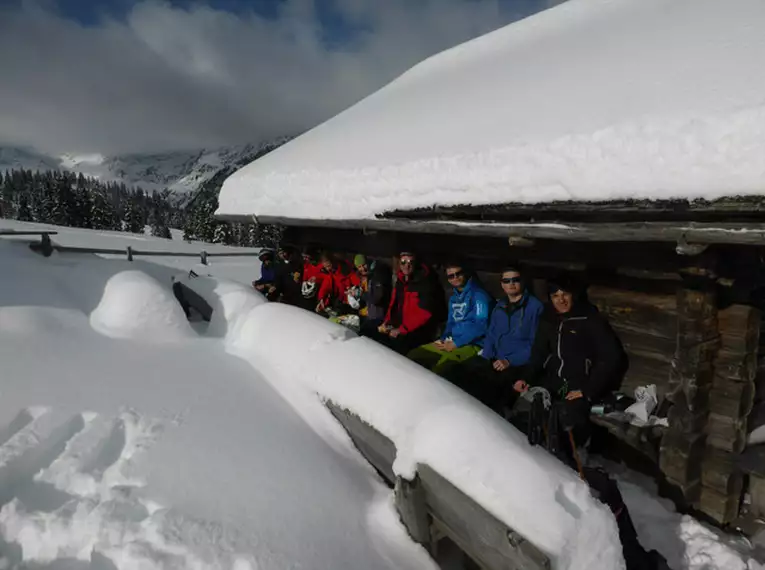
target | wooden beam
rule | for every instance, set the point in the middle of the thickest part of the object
(681, 233)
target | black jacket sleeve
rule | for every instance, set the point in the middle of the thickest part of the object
(540, 352)
(610, 359)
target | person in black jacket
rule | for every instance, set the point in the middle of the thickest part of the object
(289, 276)
(576, 356)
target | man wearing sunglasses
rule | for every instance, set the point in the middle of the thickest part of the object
(415, 307)
(506, 347)
(462, 339)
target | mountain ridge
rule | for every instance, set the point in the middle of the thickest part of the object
(184, 173)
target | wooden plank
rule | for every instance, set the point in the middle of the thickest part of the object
(719, 471)
(680, 493)
(412, 508)
(654, 315)
(726, 433)
(374, 446)
(734, 366)
(740, 320)
(680, 456)
(477, 532)
(696, 304)
(646, 346)
(721, 507)
(686, 232)
(683, 420)
(733, 400)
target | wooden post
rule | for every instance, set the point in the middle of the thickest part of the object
(682, 448)
(203, 257)
(730, 401)
(46, 247)
(410, 503)
(129, 253)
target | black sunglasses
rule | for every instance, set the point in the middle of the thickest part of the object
(455, 275)
(508, 280)
(406, 262)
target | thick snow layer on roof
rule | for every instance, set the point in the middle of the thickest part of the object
(590, 100)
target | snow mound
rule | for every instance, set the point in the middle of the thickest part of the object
(432, 422)
(134, 305)
(590, 100)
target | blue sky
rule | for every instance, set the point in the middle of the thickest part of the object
(116, 76)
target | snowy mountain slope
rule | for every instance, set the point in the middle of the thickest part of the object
(15, 158)
(181, 171)
(589, 100)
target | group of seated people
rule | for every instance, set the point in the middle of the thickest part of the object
(494, 349)
(505, 352)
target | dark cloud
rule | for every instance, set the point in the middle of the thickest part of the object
(171, 78)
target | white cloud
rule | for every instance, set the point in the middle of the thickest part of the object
(169, 78)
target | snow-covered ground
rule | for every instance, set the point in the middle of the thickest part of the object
(589, 100)
(685, 542)
(130, 440)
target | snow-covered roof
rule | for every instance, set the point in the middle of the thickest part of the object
(590, 100)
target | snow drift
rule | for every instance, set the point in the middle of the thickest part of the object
(590, 100)
(135, 305)
(434, 423)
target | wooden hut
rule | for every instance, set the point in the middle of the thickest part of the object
(568, 141)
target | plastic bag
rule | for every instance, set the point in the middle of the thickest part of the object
(645, 402)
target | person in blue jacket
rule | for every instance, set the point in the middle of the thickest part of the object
(506, 347)
(267, 282)
(462, 339)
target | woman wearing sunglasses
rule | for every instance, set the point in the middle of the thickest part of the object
(416, 307)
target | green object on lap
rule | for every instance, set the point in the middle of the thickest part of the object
(440, 361)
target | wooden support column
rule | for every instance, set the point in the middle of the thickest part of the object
(730, 403)
(682, 449)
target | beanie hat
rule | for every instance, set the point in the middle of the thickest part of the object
(359, 259)
(565, 283)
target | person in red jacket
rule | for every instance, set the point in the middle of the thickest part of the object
(417, 307)
(335, 282)
(312, 278)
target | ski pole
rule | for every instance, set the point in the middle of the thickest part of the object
(576, 455)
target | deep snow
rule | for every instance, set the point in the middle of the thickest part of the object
(142, 450)
(590, 100)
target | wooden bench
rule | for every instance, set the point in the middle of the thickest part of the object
(432, 508)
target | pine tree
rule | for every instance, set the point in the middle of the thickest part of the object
(24, 212)
(222, 233)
